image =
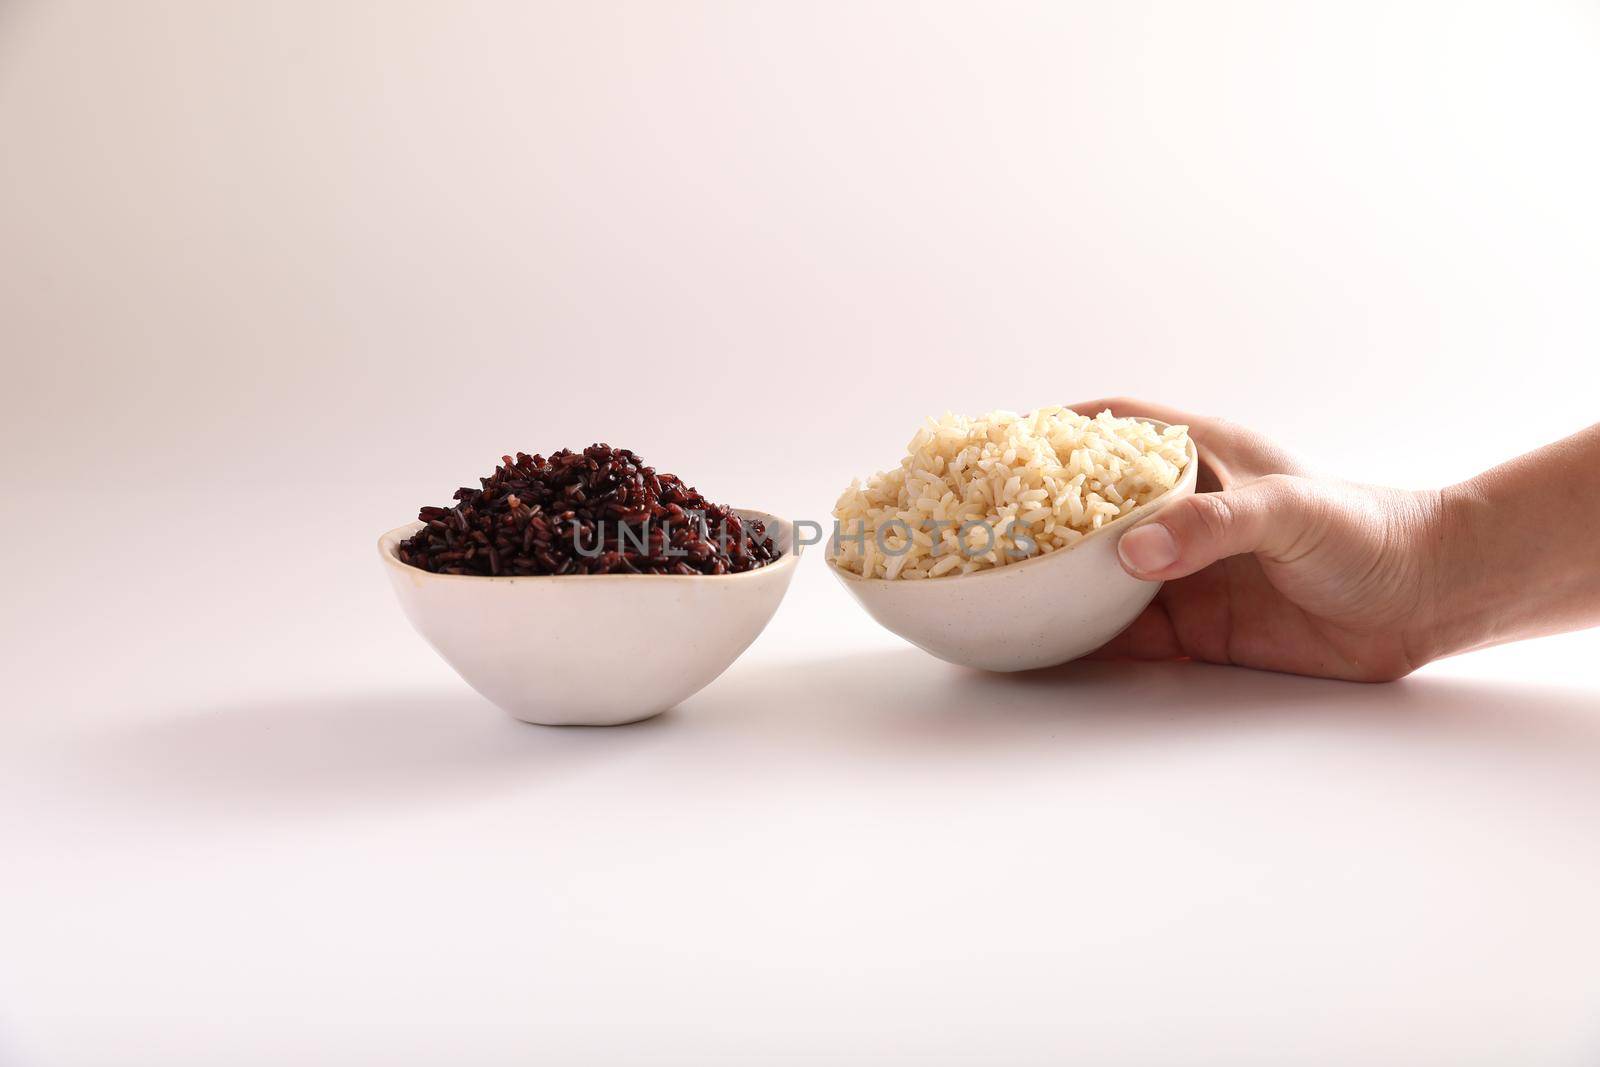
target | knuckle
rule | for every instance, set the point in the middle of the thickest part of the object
(1283, 496)
(1290, 493)
(1282, 486)
(1213, 513)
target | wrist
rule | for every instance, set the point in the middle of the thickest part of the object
(1458, 615)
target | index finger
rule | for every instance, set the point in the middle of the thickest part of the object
(1231, 452)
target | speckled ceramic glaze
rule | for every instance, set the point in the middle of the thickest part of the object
(1037, 613)
(591, 650)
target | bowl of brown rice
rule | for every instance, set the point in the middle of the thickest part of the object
(993, 543)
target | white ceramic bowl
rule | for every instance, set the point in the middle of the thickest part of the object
(591, 650)
(1036, 613)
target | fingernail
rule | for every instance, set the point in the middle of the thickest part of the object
(1148, 549)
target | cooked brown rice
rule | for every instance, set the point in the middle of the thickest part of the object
(974, 493)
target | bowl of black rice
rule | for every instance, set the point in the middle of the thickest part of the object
(586, 588)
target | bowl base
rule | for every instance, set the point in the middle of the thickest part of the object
(629, 721)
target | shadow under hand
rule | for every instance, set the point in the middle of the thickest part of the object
(334, 753)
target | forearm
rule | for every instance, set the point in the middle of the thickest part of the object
(1518, 549)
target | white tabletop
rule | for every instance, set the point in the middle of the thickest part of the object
(246, 826)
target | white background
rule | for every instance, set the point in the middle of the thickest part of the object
(272, 276)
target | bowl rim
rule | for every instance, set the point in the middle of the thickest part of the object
(791, 556)
(1190, 470)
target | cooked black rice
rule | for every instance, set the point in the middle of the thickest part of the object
(599, 511)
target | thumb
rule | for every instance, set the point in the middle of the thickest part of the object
(1267, 515)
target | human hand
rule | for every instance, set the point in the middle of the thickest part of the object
(1271, 567)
